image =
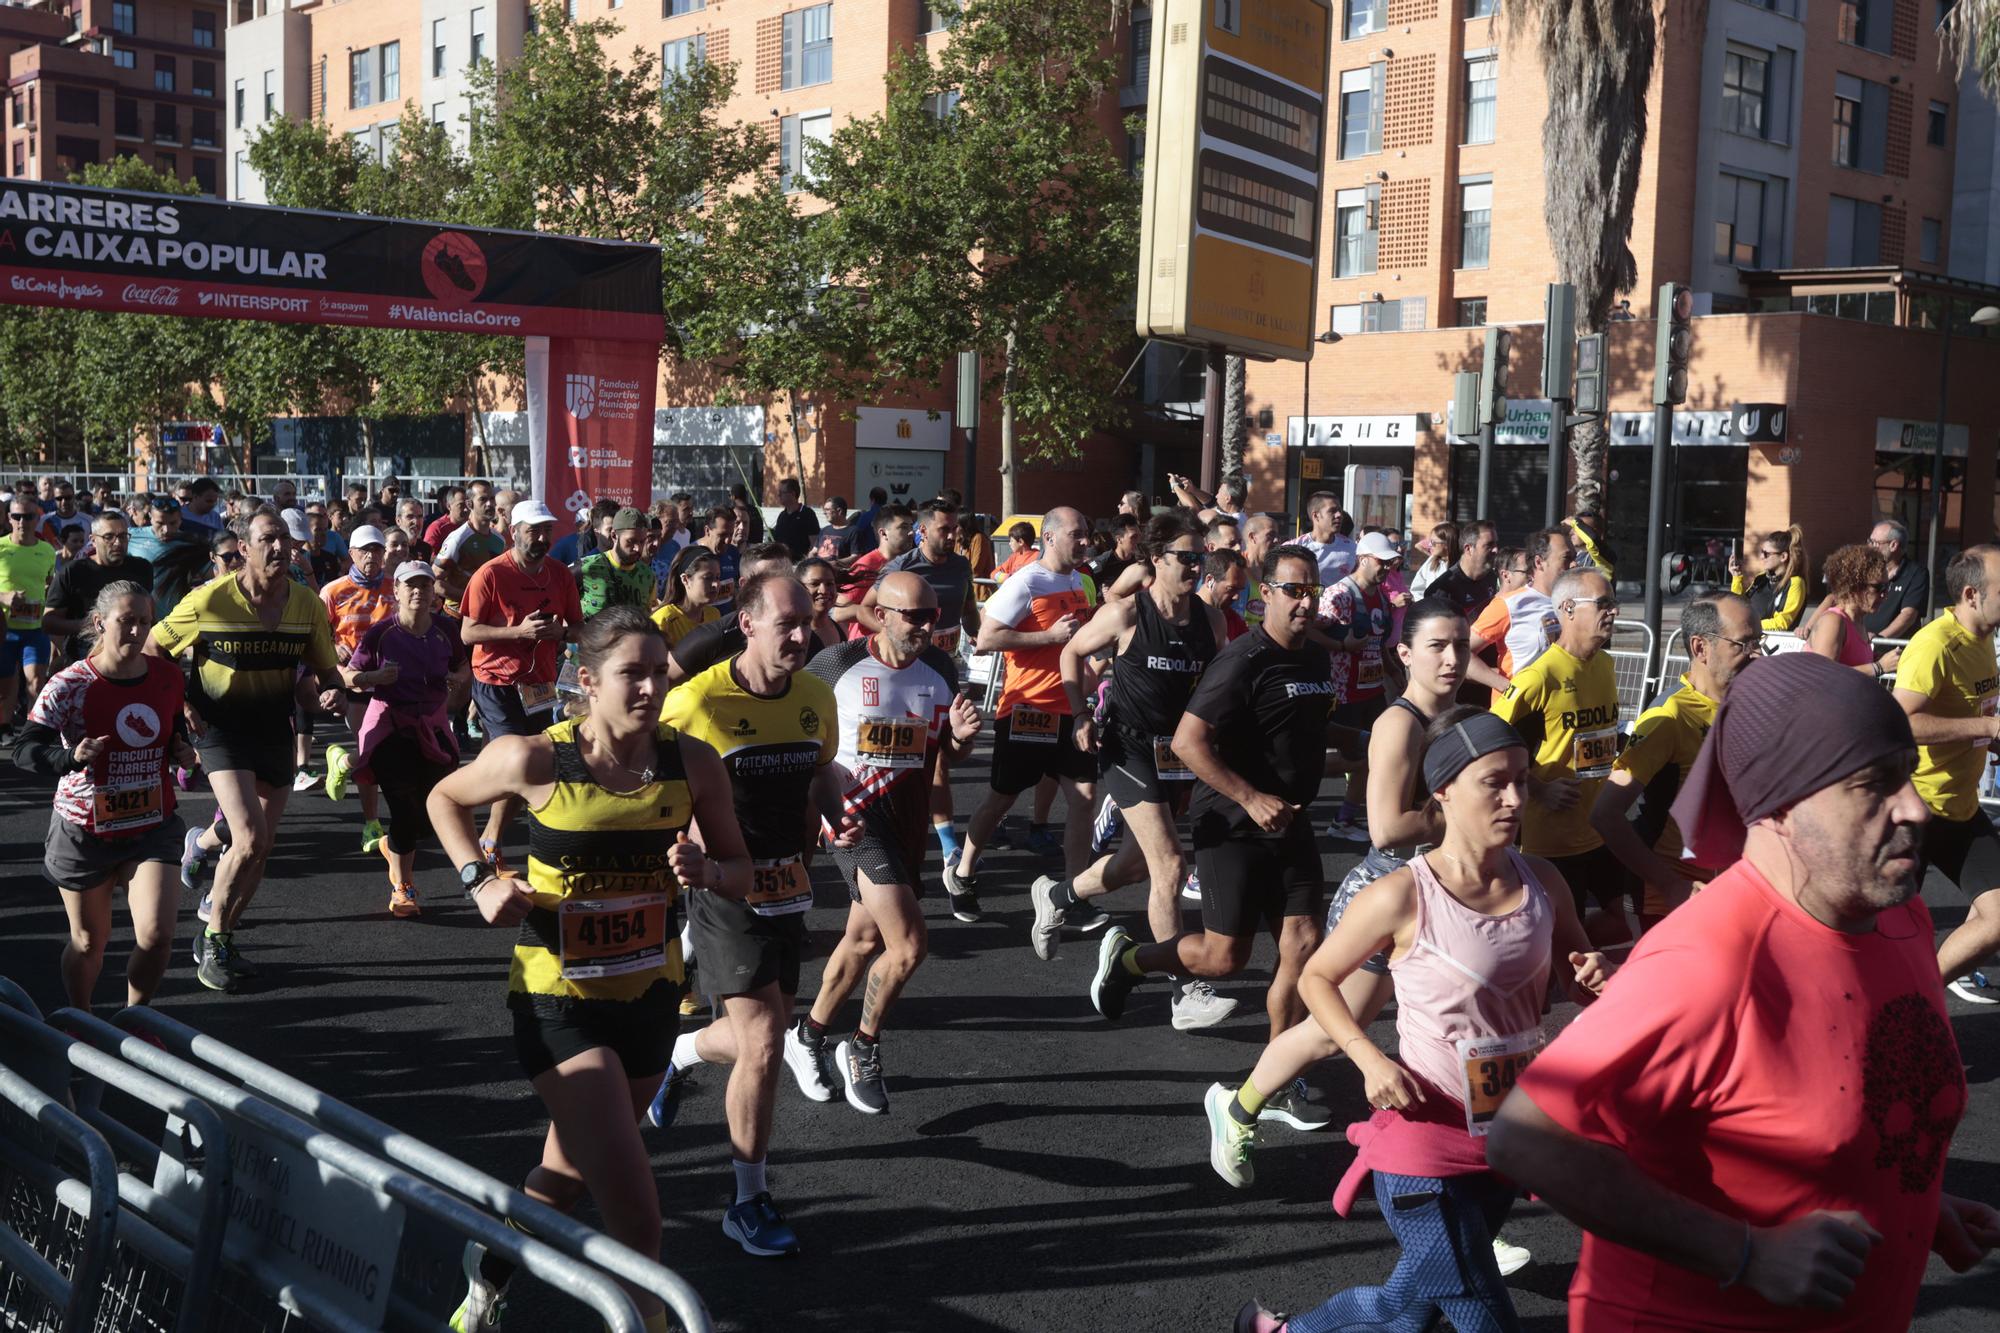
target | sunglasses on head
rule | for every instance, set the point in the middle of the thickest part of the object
(916, 615)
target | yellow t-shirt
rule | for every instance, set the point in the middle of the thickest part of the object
(1664, 743)
(1567, 712)
(244, 672)
(1956, 669)
(26, 569)
(676, 623)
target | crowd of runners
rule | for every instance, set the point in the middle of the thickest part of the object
(688, 707)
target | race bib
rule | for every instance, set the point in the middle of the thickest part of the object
(779, 888)
(946, 639)
(1488, 1069)
(1368, 671)
(609, 937)
(1596, 752)
(535, 698)
(1032, 726)
(890, 742)
(123, 809)
(1168, 764)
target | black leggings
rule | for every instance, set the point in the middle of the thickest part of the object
(406, 777)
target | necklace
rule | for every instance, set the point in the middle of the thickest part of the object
(603, 748)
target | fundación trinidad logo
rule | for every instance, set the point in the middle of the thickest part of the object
(454, 268)
(580, 395)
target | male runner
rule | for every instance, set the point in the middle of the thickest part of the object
(1255, 735)
(719, 640)
(618, 575)
(1471, 583)
(250, 632)
(777, 732)
(900, 706)
(1333, 550)
(1948, 684)
(1722, 639)
(1355, 617)
(355, 603)
(471, 544)
(1522, 623)
(1032, 615)
(1165, 638)
(894, 531)
(26, 562)
(1565, 706)
(73, 594)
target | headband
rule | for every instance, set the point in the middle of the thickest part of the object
(1452, 750)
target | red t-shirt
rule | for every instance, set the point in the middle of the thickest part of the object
(434, 535)
(502, 593)
(1766, 1066)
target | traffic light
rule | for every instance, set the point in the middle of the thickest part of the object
(1465, 404)
(1590, 375)
(1493, 377)
(1675, 344)
(1558, 333)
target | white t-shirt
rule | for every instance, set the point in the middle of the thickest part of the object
(1336, 558)
(1531, 626)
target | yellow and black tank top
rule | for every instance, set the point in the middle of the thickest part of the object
(606, 921)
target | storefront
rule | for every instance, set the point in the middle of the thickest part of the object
(900, 449)
(1354, 457)
(706, 450)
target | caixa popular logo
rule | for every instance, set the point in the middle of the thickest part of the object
(166, 296)
(580, 395)
(578, 456)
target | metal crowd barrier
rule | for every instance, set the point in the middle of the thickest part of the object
(1634, 668)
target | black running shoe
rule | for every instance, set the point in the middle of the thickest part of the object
(860, 1064)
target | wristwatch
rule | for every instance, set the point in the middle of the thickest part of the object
(473, 874)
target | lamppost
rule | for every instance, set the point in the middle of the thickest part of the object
(1306, 424)
(1984, 317)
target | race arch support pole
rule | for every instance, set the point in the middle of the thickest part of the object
(1656, 516)
(1211, 420)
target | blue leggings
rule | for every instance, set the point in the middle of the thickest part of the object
(1446, 1228)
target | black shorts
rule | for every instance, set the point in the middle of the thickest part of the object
(266, 755)
(1248, 882)
(1019, 765)
(1596, 876)
(78, 860)
(738, 951)
(549, 1030)
(1128, 771)
(501, 714)
(1966, 850)
(882, 855)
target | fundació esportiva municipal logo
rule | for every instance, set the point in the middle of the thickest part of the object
(580, 395)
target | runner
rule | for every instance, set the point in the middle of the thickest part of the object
(250, 634)
(1722, 639)
(1164, 638)
(1402, 818)
(900, 705)
(694, 586)
(110, 728)
(1035, 612)
(777, 732)
(404, 740)
(1473, 931)
(358, 600)
(1255, 735)
(719, 639)
(895, 532)
(1472, 581)
(822, 582)
(1856, 577)
(73, 594)
(518, 609)
(472, 543)
(1224, 577)
(1521, 625)
(597, 968)
(26, 563)
(1355, 616)
(619, 574)
(1565, 706)
(1949, 685)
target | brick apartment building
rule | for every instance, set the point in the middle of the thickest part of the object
(90, 80)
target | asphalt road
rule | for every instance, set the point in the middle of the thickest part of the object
(1040, 1169)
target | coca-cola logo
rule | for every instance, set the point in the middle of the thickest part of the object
(168, 296)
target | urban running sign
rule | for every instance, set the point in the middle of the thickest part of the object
(75, 247)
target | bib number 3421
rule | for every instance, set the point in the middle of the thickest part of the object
(1488, 1069)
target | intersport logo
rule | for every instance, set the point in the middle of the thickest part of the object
(168, 297)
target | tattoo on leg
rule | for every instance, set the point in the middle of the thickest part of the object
(871, 1002)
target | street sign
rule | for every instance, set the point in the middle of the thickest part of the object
(1235, 126)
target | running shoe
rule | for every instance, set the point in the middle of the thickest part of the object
(1973, 988)
(1229, 1143)
(1198, 1006)
(204, 911)
(860, 1064)
(403, 901)
(667, 1101)
(194, 861)
(1112, 983)
(1191, 891)
(964, 893)
(1001, 841)
(1347, 830)
(1086, 917)
(1045, 934)
(372, 835)
(1290, 1107)
(484, 1304)
(1044, 841)
(1511, 1258)
(339, 764)
(214, 970)
(807, 1057)
(474, 730)
(1254, 1318)
(305, 780)
(1105, 829)
(758, 1226)
(184, 778)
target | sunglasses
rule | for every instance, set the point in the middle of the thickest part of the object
(1606, 606)
(229, 558)
(916, 615)
(1188, 559)
(19, 518)
(1298, 592)
(1515, 569)
(1770, 555)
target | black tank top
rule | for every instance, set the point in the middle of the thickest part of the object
(1157, 672)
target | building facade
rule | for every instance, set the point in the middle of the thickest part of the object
(91, 80)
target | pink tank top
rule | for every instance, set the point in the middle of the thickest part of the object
(1470, 985)
(1856, 649)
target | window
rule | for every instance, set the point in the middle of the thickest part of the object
(388, 132)
(242, 174)
(675, 8)
(1379, 316)
(1354, 232)
(438, 57)
(1471, 312)
(1475, 223)
(20, 159)
(204, 174)
(1865, 23)
(478, 30)
(1846, 131)
(204, 78)
(123, 58)
(1853, 232)
(930, 18)
(1739, 222)
(1930, 240)
(1938, 128)
(163, 74)
(166, 123)
(677, 57)
(361, 77)
(1135, 155)
(1481, 9)
(76, 150)
(1142, 51)
(942, 106)
(794, 133)
(1361, 111)
(1364, 17)
(1785, 7)
(1482, 98)
(1746, 82)
(392, 71)
(271, 93)
(808, 56)
(437, 113)
(204, 129)
(1860, 123)
(204, 34)
(125, 118)
(124, 17)
(236, 112)
(1229, 15)
(77, 106)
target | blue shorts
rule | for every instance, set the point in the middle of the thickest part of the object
(24, 645)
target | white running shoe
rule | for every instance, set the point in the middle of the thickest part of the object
(1229, 1143)
(1045, 934)
(1974, 989)
(305, 780)
(1511, 1258)
(484, 1304)
(808, 1061)
(1200, 1007)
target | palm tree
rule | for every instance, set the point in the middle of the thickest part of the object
(1971, 33)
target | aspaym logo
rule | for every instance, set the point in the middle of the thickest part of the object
(580, 395)
(138, 725)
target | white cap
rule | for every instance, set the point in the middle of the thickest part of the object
(414, 569)
(530, 512)
(295, 525)
(1377, 545)
(366, 535)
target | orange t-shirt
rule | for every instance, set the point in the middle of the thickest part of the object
(1035, 597)
(353, 608)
